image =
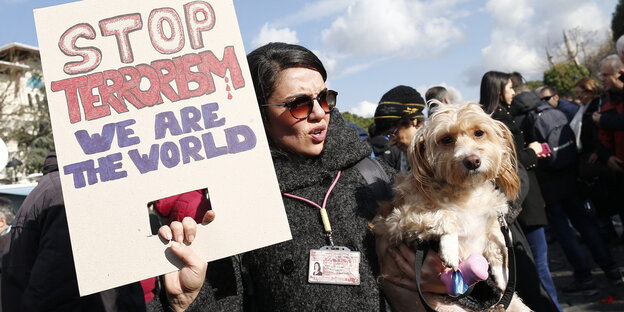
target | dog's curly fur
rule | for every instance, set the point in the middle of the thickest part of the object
(463, 173)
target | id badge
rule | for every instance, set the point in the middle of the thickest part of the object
(334, 265)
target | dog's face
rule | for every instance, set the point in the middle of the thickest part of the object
(461, 145)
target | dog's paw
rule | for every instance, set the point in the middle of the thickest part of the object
(449, 250)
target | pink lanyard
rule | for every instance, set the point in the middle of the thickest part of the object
(324, 216)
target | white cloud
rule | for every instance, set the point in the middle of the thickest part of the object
(523, 29)
(364, 109)
(271, 34)
(314, 11)
(410, 29)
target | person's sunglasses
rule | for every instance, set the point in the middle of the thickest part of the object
(301, 107)
(547, 98)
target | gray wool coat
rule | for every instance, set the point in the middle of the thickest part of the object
(277, 274)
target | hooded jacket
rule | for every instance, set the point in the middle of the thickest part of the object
(278, 274)
(533, 212)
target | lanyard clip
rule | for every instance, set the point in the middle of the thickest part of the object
(501, 220)
(329, 238)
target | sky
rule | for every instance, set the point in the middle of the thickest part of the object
(371, 46)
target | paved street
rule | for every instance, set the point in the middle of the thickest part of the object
(562, 274)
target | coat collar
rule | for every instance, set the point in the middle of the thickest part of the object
(342, 149)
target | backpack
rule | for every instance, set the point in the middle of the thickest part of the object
(550, 125)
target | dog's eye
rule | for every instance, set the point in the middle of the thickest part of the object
(479, 133)
(447, 140)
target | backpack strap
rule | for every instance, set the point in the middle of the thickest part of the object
(378, 182)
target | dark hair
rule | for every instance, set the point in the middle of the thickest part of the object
(267, 61)
(436, 93)
(492, 85)
(518, 82)
(6, 210)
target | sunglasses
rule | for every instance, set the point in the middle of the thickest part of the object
(394, 131)
(301, 107)
(547, 98)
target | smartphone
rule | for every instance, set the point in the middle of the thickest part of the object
(545, 150)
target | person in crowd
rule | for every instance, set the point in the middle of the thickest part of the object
(382, 149)
(496, 97)
(438, 93)
(619, 48)
(598, 180)
(532, 219)
(314, 153)
(549, 94)
(398, 116)
(565, 204)
(6, 218)
(362, 134)
(610, 118)
(38, 272)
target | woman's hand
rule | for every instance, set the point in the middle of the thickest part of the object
(616, 164)
(405, 260)
(183, 286)
(596, 118)
(536, 147)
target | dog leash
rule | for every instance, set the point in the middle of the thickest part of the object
(505, 300)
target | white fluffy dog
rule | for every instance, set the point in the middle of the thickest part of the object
(463, 173)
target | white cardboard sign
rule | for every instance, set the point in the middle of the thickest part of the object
(150, 99)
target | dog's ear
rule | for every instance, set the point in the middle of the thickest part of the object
(421, 169)
(507, 176)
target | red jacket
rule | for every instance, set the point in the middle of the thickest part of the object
(613, 139)
(191, 204)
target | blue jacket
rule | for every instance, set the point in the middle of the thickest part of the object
(568, 108)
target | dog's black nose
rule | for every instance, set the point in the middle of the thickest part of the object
(472, 162)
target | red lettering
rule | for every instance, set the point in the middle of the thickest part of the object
(166, 77)
(131, 83)
(151, 96)
(116, 87)
(88, 99)
(204, 83)
(70, 86)
(107, 92)
(210, 64)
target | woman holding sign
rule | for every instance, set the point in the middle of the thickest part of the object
(326, 198)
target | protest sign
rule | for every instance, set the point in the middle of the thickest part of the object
(150, 99)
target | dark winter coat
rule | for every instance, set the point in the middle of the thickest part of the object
(278, 274)
(611, 134)
(568, 108)
(38, 272)
(533, 212)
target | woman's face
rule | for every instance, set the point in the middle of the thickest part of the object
(508, 93)
(584, 96)
(304, 137)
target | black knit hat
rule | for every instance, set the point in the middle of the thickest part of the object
(400, 103)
